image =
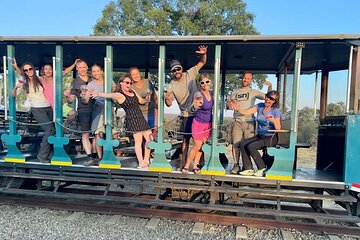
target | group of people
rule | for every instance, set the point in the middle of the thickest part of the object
(138, 99)
(39, 91)
(134, 94)
(196, 114)
(246, 139)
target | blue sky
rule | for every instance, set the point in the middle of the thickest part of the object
(77, 18)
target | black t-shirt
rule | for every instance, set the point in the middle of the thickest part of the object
(76, 90)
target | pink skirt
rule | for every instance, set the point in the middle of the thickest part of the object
(200, 130)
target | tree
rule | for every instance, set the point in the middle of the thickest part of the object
(335, 109)
(233, 81)
(169, 17)
(307, 126)
(183, 18)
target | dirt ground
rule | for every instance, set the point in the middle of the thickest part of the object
(307, 157)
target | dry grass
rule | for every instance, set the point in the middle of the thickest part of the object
(306, 157)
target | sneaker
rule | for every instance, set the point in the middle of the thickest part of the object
(91, 162)
(235, 169)
(260, 172)
(249, 172)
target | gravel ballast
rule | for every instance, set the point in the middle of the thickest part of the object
(33, 223)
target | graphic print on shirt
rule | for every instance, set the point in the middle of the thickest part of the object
(242, 96)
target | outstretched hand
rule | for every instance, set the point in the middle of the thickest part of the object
(231, 103)
(168, 95)
(198, 103)
(270, 118)
(19, 84)
(14, 63)
(267, 83)
(67, 92)
(76, 60)
(202, 50)
(94, 93)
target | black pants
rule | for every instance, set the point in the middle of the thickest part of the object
(186, 123)
(251, 146)
(44, 115)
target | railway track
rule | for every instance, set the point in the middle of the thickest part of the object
(350, 228)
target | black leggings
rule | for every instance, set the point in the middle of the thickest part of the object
(44, 115)
(251, 146)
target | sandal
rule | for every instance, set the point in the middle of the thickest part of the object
(185, 170)
(145, 167)
(196, 171)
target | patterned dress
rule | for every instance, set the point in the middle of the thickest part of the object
(135, 121)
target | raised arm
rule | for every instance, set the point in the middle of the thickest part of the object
(120, 98)
(70, 68)
(269, 84)
(261, 95)
(236, 108)
(17, 69)
(203, 52)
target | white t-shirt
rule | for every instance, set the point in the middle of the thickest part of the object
(246, 98)
(36, 98)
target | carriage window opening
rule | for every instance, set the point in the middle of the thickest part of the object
(336, 98)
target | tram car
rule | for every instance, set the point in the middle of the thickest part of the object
(292, 59)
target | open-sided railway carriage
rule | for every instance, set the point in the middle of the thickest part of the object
(336, 177)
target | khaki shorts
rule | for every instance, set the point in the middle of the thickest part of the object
(101, 126)
(241, 130)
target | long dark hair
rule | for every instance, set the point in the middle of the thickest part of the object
(118, 87)
(36, 81)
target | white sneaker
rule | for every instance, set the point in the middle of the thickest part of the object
(249, 172)
(260, 172)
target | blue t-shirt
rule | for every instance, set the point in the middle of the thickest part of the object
(263, 124)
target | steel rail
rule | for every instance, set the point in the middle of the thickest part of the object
(176, 204)
(178, 215)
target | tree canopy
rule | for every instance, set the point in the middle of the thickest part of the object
(308, 122)
(181, 18)
(169, 17)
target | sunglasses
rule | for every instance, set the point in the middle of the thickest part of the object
(29, 69)
(127, 82)
(269, 97)
(176, 70)
(204, 82)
